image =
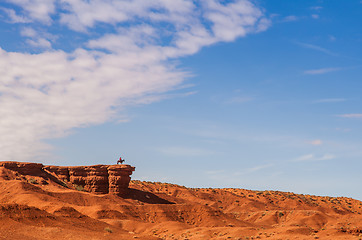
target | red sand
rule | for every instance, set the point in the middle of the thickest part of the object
(32, 207)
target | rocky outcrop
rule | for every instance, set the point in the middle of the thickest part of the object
(23, 168)
(119, 177)
(98, 179)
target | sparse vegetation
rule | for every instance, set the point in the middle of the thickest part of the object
(33, 181)
(222, 207)
(78, 187)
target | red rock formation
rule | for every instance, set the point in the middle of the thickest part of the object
(119, 178)
(61, 172)
(98, 179)
(92, 178)
(24, 168)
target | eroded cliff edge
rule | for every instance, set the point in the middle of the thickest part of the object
(97, 179)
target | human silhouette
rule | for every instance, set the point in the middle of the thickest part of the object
(120, 161)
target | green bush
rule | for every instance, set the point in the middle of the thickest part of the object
(78, 187)
(33, 181)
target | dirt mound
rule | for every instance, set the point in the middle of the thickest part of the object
(42, 202)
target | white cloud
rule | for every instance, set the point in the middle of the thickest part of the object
(259, 167)
(312, 157)
(352, 115)
(332, 38)
(343, 129)
(215, 172)
(322, 71)
(224, 23)
(315, 16)
(316, 142)
(232, 20)
(39, 43)
(185, 151)
(330, 100)
(39, 10)
(28, 32)
(316, 48)
(36, 39)
(46, 95)
(290, 18)
(253, 169)
(15, 18)
(308, 157)
(239, 100)
(316, 8)
(81, 15)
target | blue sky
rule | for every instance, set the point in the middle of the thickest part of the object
(248, 94)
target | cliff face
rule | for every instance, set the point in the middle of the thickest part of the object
(98, 179)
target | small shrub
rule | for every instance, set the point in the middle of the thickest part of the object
(107, 229)
(44, 182)
(78, 187)
(33, 181)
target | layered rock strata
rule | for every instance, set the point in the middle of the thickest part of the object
(23, 168)
(98, 179)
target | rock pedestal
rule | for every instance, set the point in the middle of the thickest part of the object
(119, 177)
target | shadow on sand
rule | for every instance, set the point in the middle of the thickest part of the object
(145, 197)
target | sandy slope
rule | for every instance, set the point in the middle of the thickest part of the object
(32, 207)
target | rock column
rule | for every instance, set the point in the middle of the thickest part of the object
(119, 177)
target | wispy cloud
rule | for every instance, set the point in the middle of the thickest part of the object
(351, 115)
(254, 169)
(47, 94)
(316, 142)
(37, 39)
(33, 10)
(239, 100)
(259, 167)
(330, 100)
(332, 38)
(14, 17)
(214, 172)
(322, 71)
(290, 18)
(316, 8)
(343, 129)
(316, 48)
(312, 157)
(185, 151)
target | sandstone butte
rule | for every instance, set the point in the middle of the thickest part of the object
(98, 179)
(100, 202)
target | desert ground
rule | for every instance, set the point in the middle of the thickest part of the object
(37, 207)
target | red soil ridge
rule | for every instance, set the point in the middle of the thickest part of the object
(37, 203)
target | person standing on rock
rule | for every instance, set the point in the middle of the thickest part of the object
(120, 161)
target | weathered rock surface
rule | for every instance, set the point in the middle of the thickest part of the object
(24, 168)
(98, 179)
